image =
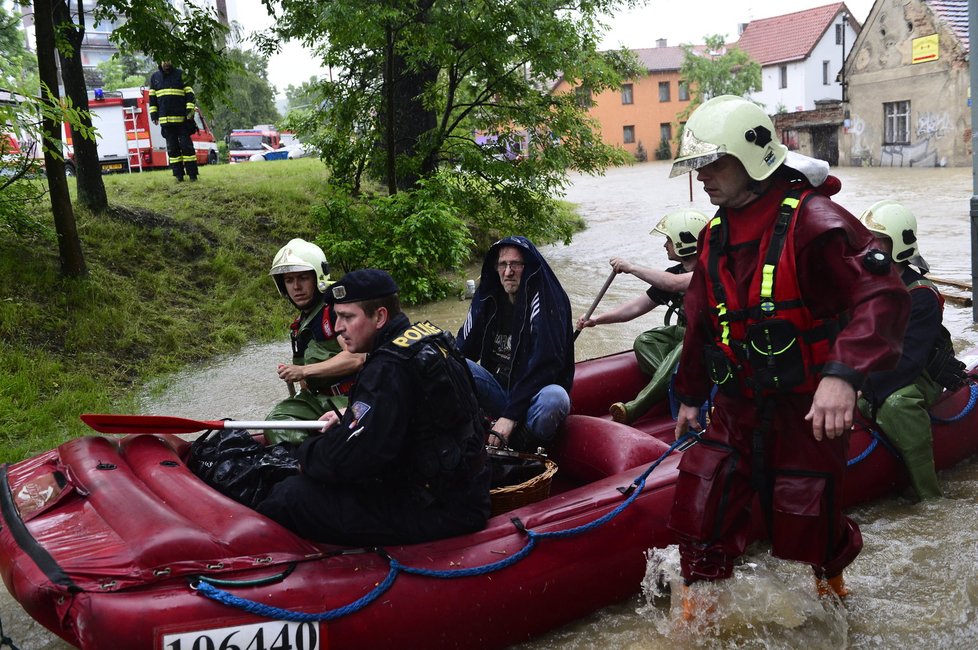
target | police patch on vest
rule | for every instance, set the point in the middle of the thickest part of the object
(359, 409)
(415, 333)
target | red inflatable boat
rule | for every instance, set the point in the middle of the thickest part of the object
(112, 543)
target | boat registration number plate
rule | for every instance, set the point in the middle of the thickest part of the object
(271, 635)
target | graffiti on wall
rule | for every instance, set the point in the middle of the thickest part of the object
(860, 153)
(931, 127)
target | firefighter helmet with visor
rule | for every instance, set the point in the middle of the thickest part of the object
(682, 227)
(298, 256)
(730, 125)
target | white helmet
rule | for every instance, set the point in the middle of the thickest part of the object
(730, 125)
(297, 256)
(682, 227)
(893, 220)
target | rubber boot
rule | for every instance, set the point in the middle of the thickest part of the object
(658, 353)
(834, 585)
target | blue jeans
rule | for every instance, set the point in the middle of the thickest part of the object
(548, 408)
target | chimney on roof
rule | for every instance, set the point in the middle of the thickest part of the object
(660, 42)
(740, 28)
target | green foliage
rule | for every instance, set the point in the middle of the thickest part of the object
(192, 38)
(718, 70)
(664, 150)
(416, 85)
(251, 99)
(18, 67)
(125, 71)
(305, 95)
(416, 236)
(641, 155)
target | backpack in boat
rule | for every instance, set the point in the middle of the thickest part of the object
(232, 462)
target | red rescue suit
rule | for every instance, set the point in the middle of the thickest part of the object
(758, 442)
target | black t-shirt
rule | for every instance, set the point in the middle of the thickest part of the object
(673, 299)
(502, 351)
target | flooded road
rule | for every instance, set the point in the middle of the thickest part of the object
(916, 582)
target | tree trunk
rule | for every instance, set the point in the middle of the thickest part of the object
(405, 118)
(88, 171)
(69, 246)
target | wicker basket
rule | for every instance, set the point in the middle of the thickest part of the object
(510, 497)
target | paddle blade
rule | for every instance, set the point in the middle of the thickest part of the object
(111, 423)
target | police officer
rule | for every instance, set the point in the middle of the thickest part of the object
(321, 366)
(406, 461)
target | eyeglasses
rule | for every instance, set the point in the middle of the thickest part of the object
(516, 266)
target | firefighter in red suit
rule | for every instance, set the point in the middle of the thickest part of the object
(790, 306)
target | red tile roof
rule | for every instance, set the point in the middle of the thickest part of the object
(955, 14)
(790, 37)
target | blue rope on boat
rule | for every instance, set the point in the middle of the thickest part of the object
(277, 613)
(972, 398)
(873, 444)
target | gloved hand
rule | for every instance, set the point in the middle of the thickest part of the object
(156, 119)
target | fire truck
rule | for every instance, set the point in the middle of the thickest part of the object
(128, 140)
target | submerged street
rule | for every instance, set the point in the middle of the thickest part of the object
(914, 583)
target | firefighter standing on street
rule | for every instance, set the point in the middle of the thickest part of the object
(171, 105)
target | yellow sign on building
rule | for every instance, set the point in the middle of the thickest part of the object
(925, 48)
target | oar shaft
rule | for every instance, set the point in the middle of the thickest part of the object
(594, 305)
(113, 423)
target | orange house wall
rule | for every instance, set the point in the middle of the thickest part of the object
(645, 112)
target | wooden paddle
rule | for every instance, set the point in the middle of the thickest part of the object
(951, 283)
(110, 423)
(607, 283)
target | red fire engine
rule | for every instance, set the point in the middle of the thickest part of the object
(127, 138)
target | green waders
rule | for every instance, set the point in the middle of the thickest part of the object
(905, 421)
(657, 351)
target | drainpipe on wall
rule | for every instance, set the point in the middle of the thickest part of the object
(972, 39)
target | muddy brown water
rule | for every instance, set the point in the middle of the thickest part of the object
(915, 584)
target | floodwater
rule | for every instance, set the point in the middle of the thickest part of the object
(915, 584)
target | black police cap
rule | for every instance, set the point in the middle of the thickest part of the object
(357, 286)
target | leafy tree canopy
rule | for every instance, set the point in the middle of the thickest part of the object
(250, 100)
(125, 71)
(192, 38)
(452, 101)
(717, 70)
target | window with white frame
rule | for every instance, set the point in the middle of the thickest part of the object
(896, 122)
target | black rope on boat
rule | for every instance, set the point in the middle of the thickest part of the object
(6, 640)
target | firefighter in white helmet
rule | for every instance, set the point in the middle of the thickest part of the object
(790, 308)
(321, 366)
(899, 400)
(657, 349)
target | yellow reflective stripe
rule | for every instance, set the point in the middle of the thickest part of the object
(191, 106)
(715, 221)
(152, 109)
(170, 92)
(152, 92)
(172, 119)
(767, 280)
(188, 89)
(724, 325)
(790, 202)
